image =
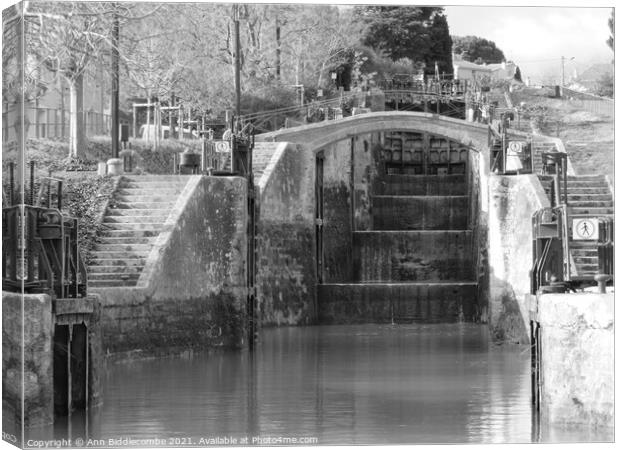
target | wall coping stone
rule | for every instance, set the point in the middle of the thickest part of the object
(567, 310)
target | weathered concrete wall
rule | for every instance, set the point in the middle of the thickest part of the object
(365, 169)
(338, 214)
(286, 274)
(478, 218)
(30, 331)
(192, 291)
(512, 202)
(577, 366)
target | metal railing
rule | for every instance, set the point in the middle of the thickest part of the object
(508, 157)
(589, 102)
(40, 252)
(555, 164)
(606, 245)
(53, 123)
(551, 262)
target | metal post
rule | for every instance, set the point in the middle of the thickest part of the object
(49, 190)
(237, 64)
(32, 183)
(69, 381)
(11, 183)
(59, 194)
(115, 82)
(135, 123)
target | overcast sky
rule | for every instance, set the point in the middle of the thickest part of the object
(537, 37)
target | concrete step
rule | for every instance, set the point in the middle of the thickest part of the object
(591, 203)
(396, 302)
(160, 219)
(575, 197)
(587, 190)
(114, 212)
(170, 191)
(134, 262)
(398, 256)
(115, 269)
(112, 233)
(156, 178)
(126, 247)
(120, 254)
(153, 185)
(132, 226)
(124, 240)
(587, 260)
(155, 197)
(586, 269)
(119, 278)
(144, 205)
(589, 253)
(592, 210)
(420, 212)
(102, 284)
(154, 226)
(421, 185)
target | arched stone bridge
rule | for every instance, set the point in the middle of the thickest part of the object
(317, 135)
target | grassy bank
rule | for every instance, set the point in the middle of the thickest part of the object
(588, 137)
(85, 194)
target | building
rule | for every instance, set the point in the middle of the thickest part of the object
(466, 70)
(48, 109)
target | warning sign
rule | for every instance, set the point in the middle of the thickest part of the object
(222, 147)
(585, 228)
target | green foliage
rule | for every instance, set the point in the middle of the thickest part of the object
(605, 85)
(85, 198)
(472, 48)
(612, 29)
(517, 76)
(418, 33)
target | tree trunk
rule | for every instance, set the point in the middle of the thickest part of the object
(77, 140)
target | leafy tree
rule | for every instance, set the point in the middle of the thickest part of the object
(472, 48)
(418, 33)
(517, 76)
(65, 38)
(611, 25)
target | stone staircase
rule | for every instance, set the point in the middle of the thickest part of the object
(131, 224)
(588, 196)
(416, 264)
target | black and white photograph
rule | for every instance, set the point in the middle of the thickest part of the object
(307, 224)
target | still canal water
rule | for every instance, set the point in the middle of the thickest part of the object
(370, 384)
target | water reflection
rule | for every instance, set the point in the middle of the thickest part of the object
(370, 384)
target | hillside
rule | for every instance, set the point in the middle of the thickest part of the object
(588, 137)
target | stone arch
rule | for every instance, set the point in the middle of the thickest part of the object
(318, 135)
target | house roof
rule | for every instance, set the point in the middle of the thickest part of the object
(470, 65)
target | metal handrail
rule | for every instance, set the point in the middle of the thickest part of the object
(551, 261)
(555, 163)
(40, 252)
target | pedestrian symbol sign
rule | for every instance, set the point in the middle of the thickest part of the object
(585, 229)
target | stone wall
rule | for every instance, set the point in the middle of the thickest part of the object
(286, 272)
(577, 365)
(365, 169)
(477, 182)
(512, 202)
(30, 331)
(193, 290)
(338, 214)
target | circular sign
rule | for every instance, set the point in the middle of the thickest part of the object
(222, 147)
(585, 228)
(515, 147)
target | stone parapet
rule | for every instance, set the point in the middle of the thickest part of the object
(577, 359)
